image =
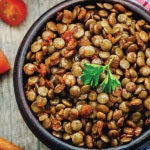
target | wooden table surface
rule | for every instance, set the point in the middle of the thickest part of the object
(12, 126)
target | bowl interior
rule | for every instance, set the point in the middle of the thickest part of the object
(20, 78)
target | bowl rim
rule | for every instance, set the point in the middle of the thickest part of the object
(37, 129)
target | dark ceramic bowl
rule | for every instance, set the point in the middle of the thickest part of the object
(19, 78)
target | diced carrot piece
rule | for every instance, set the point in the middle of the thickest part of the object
(42, 70)
(67, 36)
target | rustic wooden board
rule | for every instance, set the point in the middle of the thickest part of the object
(12, 126)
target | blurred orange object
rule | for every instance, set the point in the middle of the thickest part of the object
(6, 145)
(4, 64)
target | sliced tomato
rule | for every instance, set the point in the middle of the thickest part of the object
(12, 12)
(4, 64)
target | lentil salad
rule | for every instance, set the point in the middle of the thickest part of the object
(89, 117)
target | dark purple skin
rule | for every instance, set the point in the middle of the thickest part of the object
(18, 76)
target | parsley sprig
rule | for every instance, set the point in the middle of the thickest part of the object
(92, 72)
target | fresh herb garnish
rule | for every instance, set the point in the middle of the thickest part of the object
(92, 72)
(110, 82)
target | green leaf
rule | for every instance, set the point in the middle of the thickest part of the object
(91, 73)
(110, 82)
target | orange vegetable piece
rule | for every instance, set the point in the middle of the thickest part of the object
(4, 64)
(6, 145)
(42, 70)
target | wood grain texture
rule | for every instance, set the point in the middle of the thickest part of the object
(12, 126)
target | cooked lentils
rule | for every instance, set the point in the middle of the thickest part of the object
(77, 113)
